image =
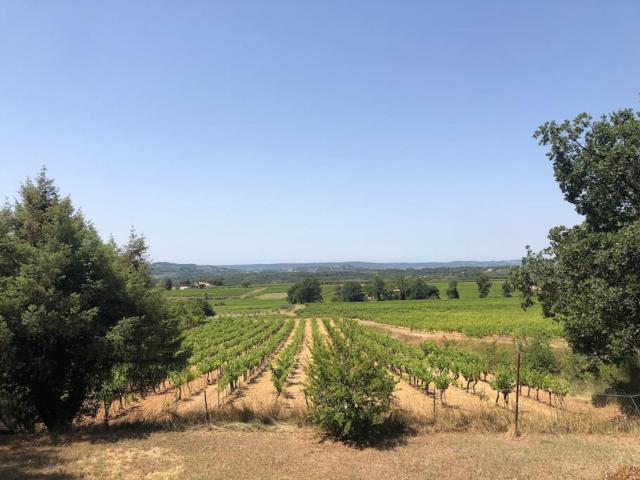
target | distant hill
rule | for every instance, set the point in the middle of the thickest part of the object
(338, 270)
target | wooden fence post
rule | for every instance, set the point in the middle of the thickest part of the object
(206, 406)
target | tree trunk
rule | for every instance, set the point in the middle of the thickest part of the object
(106, 406)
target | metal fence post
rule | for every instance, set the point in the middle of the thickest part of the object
(517, 433)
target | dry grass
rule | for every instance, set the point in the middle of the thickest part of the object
(487, 419)
(483, 418)
(284, 451)
(625, 473)
(230, 415)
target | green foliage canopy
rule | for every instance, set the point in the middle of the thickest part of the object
(350, 292)
(308, 290)
(421, 290)
(452, 290)
(484, 285)
(76, 314)
(589, 276)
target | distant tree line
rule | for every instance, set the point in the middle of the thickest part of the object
(400, 288)
(186, 276)
(406, 288)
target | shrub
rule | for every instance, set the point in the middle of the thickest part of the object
(348, 391)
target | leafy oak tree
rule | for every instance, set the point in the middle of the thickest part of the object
(305, 291)
(75, 313)
(402, 285)
(420, 290)
(589, 277)
(377, 289)
(350, 292)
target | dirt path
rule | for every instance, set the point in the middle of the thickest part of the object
(440, 336)
(435, 335)
(253, 292)
(294, 387)
(259, 391)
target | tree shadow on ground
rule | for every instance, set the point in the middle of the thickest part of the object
(392, 433)
(22, 459)
(625, 391)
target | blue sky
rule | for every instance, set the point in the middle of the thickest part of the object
(241, 132)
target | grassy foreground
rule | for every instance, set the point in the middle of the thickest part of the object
(287, 451)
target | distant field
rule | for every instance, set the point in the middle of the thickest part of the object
(235, 299)
(222, 292)
(248, 305)
(470, 289)
(469, 314)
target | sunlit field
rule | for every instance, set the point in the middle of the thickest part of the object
(469, 314)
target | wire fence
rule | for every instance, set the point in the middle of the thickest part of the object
(629, 404)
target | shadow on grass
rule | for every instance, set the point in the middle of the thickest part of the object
(38, 455)
(625, 392)
(20, 459)
(168, 421)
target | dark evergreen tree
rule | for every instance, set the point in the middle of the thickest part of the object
(72, 309)
(452, 290)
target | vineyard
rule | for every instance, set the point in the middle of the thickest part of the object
(490, 316)
(307, 366)
(355, 380)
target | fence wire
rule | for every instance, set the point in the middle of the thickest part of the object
(629, 404)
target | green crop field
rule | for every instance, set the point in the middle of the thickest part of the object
(469, 314)
(267, 289)
(222, 292)
(248, 305)
(470, 289)
(236, 299)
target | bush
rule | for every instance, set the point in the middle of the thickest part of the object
(538, 355)
(348, 391)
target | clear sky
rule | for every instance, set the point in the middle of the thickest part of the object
(241, 132)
